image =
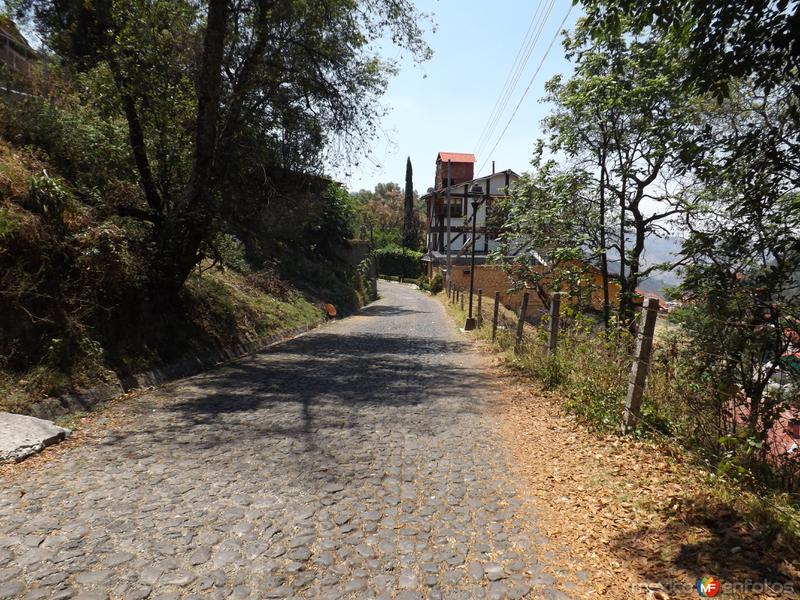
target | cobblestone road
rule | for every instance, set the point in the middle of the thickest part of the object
(356, 461)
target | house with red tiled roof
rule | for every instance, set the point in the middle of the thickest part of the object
(662, 303)
(450, 211)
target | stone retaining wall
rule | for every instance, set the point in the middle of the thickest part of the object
(50, 408)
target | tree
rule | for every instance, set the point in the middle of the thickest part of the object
(383, 212)
(725, 40)
(278, 81)
(742, 254)
(410, 220)
(622, 117)
(549, 223)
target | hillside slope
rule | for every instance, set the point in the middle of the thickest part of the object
(74, 306)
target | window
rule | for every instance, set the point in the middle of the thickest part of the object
(456, 209)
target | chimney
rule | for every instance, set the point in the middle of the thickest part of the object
(462, 168)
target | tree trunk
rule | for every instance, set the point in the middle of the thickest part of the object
(603, 251)
(632, 280)
(189, 223)
(624, 299)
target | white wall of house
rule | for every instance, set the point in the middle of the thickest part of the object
(496, 186)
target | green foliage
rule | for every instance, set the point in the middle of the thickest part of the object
(400, 262)
(48, 196)
(230, 252)
(219, 102)
(623, 110)
(725, 40)
(85, 146)
(335, 223)
(382, 215)
(433, 286)
(548, 214)
(436, 284)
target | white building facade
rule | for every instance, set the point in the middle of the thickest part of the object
(468, 198)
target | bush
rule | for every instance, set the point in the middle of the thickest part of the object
(437, 284)
(684, 399)
(399, 262)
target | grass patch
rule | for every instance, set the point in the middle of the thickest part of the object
(220, 308)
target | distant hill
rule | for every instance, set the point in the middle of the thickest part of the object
(657, 251)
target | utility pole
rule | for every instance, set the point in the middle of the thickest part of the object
(447, 199)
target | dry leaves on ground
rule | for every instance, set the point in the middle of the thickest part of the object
(638, 516)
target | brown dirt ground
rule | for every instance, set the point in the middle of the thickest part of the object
(639, 516)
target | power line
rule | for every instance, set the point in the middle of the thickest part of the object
(520, 71)
(527, 89)
(516, 74)
(520, 52)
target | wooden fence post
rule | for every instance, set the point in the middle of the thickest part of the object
(495, 314)
(641, 366)
(555, 320)
(479, 320)
(522, 314)
(461, 296)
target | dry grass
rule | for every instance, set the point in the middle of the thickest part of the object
(631, 513)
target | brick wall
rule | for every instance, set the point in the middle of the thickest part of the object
(493, 279)
(459, 173)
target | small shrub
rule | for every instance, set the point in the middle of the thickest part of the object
(230, 251)
(436, 284)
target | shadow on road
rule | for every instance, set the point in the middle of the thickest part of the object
(382, 310)
(318, 390)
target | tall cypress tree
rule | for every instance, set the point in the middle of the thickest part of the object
(409, 223)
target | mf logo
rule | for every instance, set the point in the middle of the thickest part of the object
(708, 587)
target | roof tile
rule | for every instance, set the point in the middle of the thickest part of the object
(457, 157)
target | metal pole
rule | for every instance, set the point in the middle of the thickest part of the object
(522, 314)
(470, 324)
(494, 316)
(480, 314)
(447, 199)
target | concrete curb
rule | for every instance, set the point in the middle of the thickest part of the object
(82, 400)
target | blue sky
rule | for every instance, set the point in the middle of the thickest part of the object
(445, 103)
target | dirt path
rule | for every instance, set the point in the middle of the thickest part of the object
(639, 517)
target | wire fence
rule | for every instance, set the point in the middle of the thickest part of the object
(687, 407)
